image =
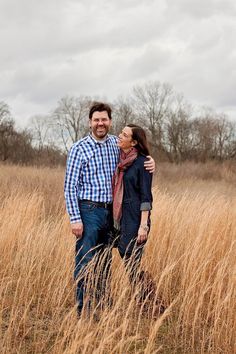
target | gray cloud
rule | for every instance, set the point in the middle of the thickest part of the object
(202, 9)
(55, 47)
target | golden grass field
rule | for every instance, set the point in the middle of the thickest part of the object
(190, 254)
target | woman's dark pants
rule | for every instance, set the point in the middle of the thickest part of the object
(127, 245)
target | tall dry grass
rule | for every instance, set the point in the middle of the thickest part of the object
(190, 254)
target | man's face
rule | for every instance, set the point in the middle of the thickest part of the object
(100, 124)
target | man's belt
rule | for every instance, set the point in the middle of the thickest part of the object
(97, 204)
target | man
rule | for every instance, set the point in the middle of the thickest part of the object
(88, 191)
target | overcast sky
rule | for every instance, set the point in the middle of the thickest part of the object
(51, 48)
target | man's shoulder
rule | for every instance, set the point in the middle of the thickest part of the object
(113, 139)
(81, 143)
(113, 136)
(82, 148)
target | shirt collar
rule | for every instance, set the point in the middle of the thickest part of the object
(97, 141)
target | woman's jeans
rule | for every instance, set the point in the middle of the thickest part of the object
(97, 223)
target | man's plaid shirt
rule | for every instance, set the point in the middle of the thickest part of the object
(90, 168)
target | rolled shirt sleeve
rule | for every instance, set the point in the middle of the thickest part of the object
(145, 189)
(146, 206)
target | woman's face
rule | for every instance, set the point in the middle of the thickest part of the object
(126, 141)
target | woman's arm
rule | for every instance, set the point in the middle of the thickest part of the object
(146, 204)
(143, 228)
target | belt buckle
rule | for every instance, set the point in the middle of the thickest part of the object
(106, 205)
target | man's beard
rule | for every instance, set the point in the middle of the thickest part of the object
(102, 134)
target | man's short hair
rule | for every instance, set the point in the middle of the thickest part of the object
(100, 107)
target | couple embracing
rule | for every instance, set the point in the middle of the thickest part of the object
(108, 183)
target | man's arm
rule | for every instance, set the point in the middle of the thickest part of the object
(73, 170)
(150, 164)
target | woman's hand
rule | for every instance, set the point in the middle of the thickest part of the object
(142, 234)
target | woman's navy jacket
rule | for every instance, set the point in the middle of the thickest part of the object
(137, 197)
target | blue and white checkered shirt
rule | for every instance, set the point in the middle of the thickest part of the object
(90, 167)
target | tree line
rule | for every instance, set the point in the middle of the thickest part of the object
(20, 146)
(174, 131)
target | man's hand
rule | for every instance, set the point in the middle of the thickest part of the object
(150, 164)
(77, 229)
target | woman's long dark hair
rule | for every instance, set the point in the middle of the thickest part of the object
(139, 135)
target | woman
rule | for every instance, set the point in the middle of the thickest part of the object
(132, 197)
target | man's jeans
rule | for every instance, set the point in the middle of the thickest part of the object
(97, 224)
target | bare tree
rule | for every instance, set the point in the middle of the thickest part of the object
(122, 114)
(231, 148)
(40, 130)
(224, 136)
(178, 130)
(5, 114)
(6, 131)
(204, 137)
(21, 150)
(213, 136)
(152, 103)
(70, 120)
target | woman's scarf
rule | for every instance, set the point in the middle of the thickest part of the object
(126, 159)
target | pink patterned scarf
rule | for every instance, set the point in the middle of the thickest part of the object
(117, 183)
